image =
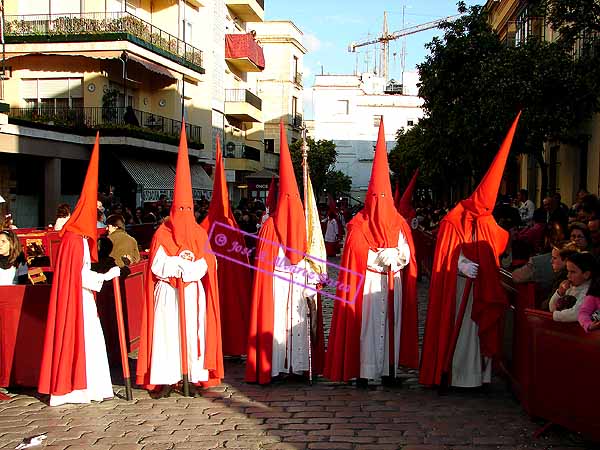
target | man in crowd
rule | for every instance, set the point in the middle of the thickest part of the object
(525, 206)
(125, 248)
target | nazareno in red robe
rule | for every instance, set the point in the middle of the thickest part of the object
(260, 333)
(342, 360)
(233, 268)
(213, 358)
(470, 228)
(63, 368)
(489, 298)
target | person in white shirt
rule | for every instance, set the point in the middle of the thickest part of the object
(526, 207)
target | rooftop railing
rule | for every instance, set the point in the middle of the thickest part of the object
(101, 26)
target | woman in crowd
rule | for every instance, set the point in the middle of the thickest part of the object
(568, 298)
(63, 213)
(13, 267)
(558, 262)
(580, 235)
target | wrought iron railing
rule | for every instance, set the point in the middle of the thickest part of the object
(233, 150)
(243, 95)
(298, 78)
(84, 26)
(271, 161)
(107, 117)
(297, 120)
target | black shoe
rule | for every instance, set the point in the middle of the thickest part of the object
(391, 381)
(165, 391)
(362, 383)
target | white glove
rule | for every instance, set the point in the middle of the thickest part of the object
(388, 257)
(113, 272)
(309, 293)
(468, 269)
(194, 271)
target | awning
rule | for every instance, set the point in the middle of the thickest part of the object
(200, 179)
(104, 54)
(153, 67)
(263, 174)
(157, 178)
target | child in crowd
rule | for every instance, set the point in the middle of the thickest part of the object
(589, 313)
(581, 269)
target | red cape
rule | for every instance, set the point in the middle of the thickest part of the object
(63, 368)
(342, 361)
(234, 297)
(260, 336)
(213, 357)
(489, 302)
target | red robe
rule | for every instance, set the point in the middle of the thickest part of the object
(213, 358)
(63, 367)
(342, 361)
(234, 297)
(260, 336)
(489, 297)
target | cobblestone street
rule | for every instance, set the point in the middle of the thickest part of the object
(287, 415)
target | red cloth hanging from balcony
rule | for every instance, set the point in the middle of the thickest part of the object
(244, 46)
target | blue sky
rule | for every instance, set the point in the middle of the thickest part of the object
(330, 26)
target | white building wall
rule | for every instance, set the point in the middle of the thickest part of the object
(346, 108)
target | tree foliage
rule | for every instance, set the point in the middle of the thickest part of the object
(473, 85)
(322, 155)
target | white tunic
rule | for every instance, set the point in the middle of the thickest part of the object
(374, 332)
(290, 314)
(165, 366)
(332, 231)
(11, 275)
(468, 367)
(97, 372)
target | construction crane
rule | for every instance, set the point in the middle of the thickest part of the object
(386, 37)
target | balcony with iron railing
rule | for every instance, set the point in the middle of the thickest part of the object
(243, 105)
(296, 120)
(111, 121)
(271, 161)
(101, 26)
(298, 78)
(244, 53)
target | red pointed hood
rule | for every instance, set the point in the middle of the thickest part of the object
(219, 203)
(182, 220)
(289, 216)
(383, 221)
(483, 199)
(271, 201)
(84, 218)
(405, 207)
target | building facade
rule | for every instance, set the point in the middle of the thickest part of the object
(570, 168)
(348, 110)
(135, 70)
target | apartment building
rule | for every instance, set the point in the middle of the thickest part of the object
(280, 86)
(570, 168)
(132, 69)
(348, 110)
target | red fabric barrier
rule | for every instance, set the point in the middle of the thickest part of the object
(525, 298)
(564, 371)
(133, 297)
(23, 315)
(23, 311)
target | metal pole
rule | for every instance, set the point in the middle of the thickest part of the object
(305, 185)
